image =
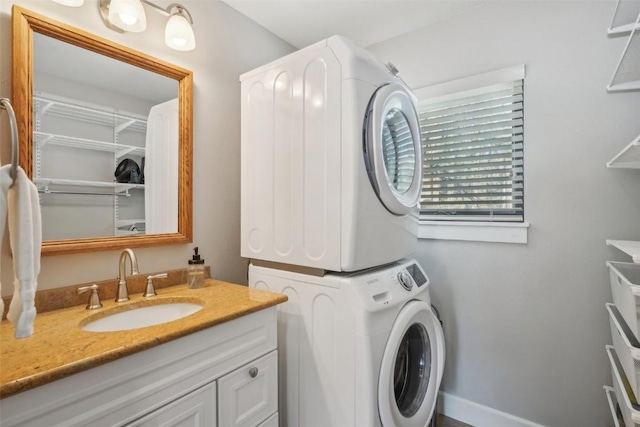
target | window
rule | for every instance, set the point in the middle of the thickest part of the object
(473, 155)
(473, 150)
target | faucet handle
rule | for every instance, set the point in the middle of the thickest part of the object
(94, 299)
(150, 291)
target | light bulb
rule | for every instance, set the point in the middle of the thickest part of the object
(72, 3)
(178, 33)
(127, 18)
(128, 15)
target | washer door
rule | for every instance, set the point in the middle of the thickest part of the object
(392, 148)
(412, 367)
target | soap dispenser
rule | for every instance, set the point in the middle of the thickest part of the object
(195, 271)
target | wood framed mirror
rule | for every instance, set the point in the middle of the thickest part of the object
(72, 203)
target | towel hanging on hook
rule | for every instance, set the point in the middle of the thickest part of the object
(4, 103)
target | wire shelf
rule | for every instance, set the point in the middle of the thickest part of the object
(628, 158)
(61, 107)
(44, 138)
(624, 16)
(129, 222)
(627, 74)
(44, 183)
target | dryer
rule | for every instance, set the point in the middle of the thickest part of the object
(331, 160)
(356, 349)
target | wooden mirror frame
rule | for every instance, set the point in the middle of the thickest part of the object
(24, 24)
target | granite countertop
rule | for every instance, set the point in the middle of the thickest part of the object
(59, 347)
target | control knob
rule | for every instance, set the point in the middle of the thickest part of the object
(405, 280)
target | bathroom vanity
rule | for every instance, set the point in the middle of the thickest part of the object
(216, 367)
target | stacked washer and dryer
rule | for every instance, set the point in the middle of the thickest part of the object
(331, 174)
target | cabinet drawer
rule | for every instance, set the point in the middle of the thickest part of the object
(197, 409)
(249, 395)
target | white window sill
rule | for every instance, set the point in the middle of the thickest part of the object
(503, 232)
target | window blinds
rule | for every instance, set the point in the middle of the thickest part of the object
(473, 155)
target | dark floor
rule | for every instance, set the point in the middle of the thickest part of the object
(450, 422)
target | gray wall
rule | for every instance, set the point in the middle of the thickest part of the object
(228, 44)
(525, 324)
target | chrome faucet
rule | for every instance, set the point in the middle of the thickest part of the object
(123, 292)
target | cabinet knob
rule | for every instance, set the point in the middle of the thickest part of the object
(253, 372)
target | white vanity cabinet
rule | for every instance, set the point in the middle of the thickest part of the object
(224, 376)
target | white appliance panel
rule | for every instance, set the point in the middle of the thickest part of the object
(333, 334)
(283, 163)
(254, 231)
(306, 195)
(315, 363)
(291, 163)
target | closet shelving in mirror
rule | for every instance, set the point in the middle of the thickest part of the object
(628, 158)
(120, 150)
(130, 227)
(49, 185)
(96, 114)
(86, 128)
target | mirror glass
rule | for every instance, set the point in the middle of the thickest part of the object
(98, 123)
(105, 136)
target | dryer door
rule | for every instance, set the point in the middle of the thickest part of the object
(392, 148)
(412, 367)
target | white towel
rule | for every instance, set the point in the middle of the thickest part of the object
(5, 182)
(25, 237)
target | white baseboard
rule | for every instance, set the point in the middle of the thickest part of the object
(478, 415)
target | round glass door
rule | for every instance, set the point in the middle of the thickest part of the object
(399, 153)
(392, 149)
(412, 370)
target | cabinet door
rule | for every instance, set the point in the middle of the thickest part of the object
(196, 409)
(271, 422)
(249, 395)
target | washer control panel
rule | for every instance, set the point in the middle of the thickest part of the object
(416, 274)
(410, 275)
(389, 285)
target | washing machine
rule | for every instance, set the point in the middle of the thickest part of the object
(356, 349)
(331, 160)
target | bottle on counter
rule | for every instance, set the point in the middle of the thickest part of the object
(195, 271)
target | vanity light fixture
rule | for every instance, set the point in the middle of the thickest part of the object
(128, 16)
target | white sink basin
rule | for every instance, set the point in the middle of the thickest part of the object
(140, 317)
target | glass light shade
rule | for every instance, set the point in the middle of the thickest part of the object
(128, 15)
(178, 33)
(72, 3)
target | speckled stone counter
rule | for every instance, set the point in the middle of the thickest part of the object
(59, 347)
